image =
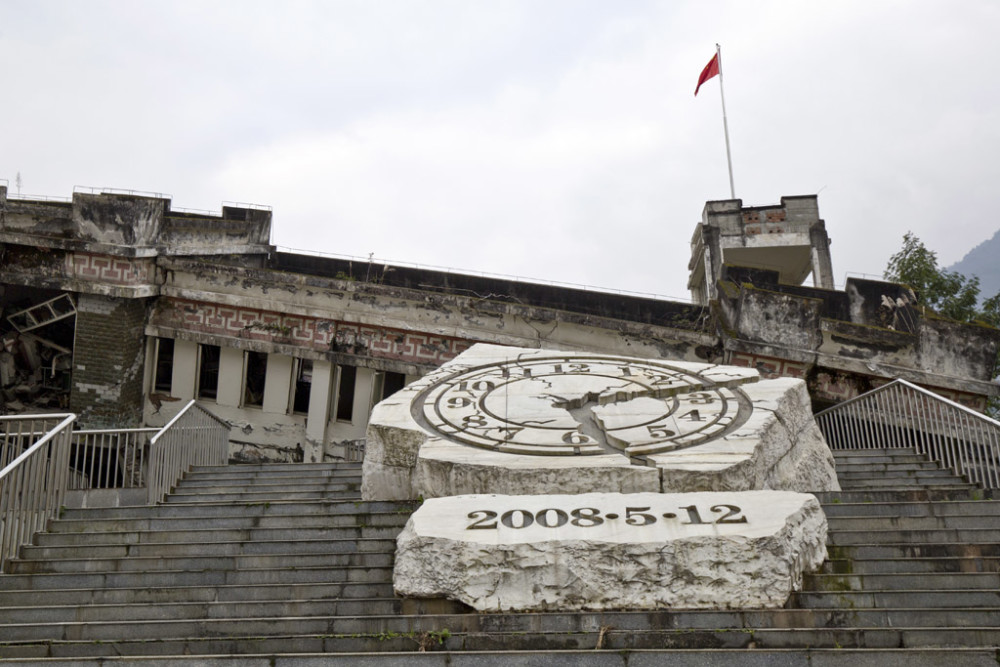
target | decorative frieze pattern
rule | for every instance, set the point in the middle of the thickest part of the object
(309, 332)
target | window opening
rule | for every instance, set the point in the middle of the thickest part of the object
(255, 370)
(164, 365)
(208, 371)
(345, 393)
(385, 384)
(392, 383)
(302, 386)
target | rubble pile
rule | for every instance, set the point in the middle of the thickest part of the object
(34, 369)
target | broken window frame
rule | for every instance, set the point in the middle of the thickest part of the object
(163, 365)
(208, 390)
(300, 389)
(382, 380)
(254, 367)
(343, 405)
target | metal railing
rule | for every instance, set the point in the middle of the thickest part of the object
(354, 450)
(901, 414)
(34, 455)
(110, 458)
(193, 437)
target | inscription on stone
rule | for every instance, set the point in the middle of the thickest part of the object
(589, 517)
(612, 551)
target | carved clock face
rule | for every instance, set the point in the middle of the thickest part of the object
(583, 405)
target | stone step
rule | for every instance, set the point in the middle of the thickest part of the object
(913, 537)
(917, 551)
(258, 497)
(885, 467)
(882, 523)
(213, 593)
(163, 578)
(328, 486)
(198, 484)
(603, 643)
(918, 599)
(68, 531)
(902, 582)
(910, 565)
(293, 476)
(315, 506)
(854, 456)
(989, 508)
(894, 480)
(875, 451)
(277, 467)
(900, 495)
(679, 619)
(799, 657)
(170, 549)
(190, 610)
(860, 471)
(236, 562)
(294, 533)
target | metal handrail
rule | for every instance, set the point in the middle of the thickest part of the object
(33, 483)
(110, 458)
(193, 437)
(901, 414)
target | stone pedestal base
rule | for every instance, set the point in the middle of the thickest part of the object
(599, 551)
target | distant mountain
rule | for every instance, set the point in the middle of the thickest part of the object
(982, 261)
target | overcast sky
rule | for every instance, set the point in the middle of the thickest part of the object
(559, 140)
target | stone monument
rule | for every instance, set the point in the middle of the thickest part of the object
(520, 421)
(565, 480)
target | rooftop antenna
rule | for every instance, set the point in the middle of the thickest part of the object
(17, 182)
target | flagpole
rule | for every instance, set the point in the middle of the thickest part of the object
(725, 123)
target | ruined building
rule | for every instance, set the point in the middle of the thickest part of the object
(119, 308)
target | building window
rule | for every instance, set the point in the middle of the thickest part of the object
(164, 368)
(254, 377)
(386, 384)
(208, 371)
(301, 386)
(345, 393)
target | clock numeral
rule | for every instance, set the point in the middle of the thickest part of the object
(660, 378)
(508, 432)
(660, 432)
(702, 398)
(473, 421)
(459, 402)
(692, 416)
(478, 385)
(576, 438)
(525, 372)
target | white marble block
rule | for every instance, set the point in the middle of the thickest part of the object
(524, 421)
(735, 550)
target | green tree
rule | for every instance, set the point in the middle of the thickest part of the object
(946, 292)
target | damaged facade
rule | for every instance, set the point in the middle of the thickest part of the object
(153, 306)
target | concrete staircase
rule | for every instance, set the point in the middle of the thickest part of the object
(284, 565)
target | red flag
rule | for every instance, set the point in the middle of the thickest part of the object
(711, 69)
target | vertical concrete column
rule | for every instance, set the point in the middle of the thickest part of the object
(278, 383)
(822, 265)
(363, 399)
(713, 262)
(109, 359)
(319, 401)
(184, 376)
(230, 377)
